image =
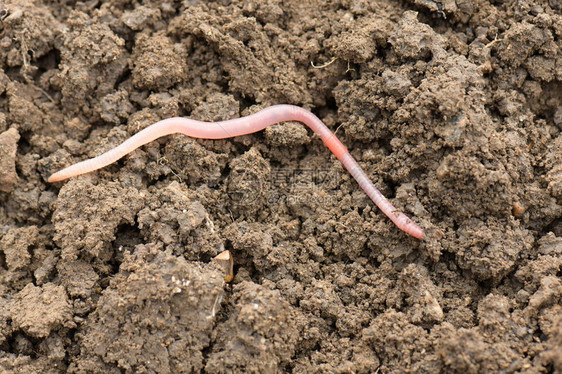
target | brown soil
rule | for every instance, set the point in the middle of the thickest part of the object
(453, 108)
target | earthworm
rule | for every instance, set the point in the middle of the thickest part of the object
(242, 126)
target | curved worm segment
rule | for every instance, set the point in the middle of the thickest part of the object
(241, 126)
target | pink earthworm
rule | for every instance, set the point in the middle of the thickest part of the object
(242, 126)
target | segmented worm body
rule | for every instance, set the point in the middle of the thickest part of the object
(242, 126)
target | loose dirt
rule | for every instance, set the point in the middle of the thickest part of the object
(454, 109)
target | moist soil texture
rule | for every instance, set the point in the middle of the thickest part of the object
(453, 108)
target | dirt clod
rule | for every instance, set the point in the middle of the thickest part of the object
(40, 310)
(8, 148)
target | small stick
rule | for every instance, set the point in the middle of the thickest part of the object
(242, 126)
(325, 65)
